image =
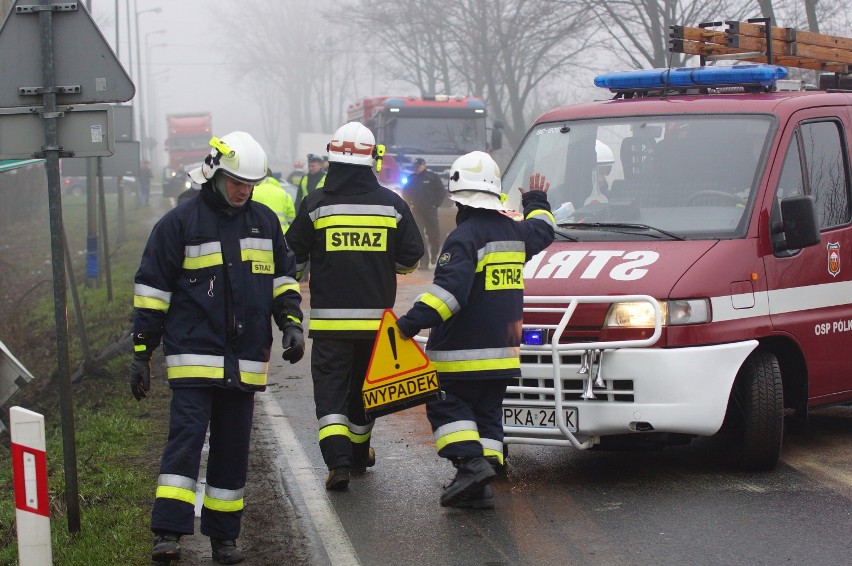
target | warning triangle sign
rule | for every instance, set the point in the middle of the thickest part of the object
(393, 356)
(399, 375)
(83, 61)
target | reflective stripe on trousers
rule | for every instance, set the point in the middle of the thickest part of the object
(338, 368)
(229, 413)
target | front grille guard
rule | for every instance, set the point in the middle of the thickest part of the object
(566, 305)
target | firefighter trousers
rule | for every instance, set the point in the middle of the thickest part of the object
(468, 422)
(426, 218)
(338, 368)
(229, 413)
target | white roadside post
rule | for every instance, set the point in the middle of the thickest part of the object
(29, 469)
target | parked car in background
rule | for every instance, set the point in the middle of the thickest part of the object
(76, 186)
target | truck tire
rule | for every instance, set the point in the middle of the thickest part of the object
(758, 403)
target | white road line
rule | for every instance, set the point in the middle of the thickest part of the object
(334, 538)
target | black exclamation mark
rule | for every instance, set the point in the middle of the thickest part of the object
(392, 338)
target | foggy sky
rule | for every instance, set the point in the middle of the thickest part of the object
(189, 73)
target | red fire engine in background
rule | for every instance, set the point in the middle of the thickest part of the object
(187, 144)
(438, 128)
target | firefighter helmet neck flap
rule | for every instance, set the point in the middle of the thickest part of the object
(475, 181)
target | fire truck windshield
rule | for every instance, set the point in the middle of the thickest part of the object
(690, 175)
(435, 135)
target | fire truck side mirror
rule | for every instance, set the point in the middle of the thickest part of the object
(801, 227)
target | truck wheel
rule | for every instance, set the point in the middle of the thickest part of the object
(757, 401)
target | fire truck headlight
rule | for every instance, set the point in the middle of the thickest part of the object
(691, 311)
(633, 315)
(673, 313)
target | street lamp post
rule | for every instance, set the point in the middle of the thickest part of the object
(143, 114)
(150, 95)
(158, 79)
(139, 89)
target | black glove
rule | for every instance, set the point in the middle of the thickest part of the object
(144, 344)
(293, 341)
(140, 377)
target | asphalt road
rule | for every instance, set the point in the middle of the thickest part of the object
(684, 505)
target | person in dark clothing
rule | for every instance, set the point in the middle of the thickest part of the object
(145, 176)
(358, 236)
(475, 310)
(312, 181)
(214, 274)
(425, 192)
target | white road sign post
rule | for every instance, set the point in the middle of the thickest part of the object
(54, 51)
(32, 500)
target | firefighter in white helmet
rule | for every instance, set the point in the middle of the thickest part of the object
(357, 236)
(475, 307)
(214, 273)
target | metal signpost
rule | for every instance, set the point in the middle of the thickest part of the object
(52, 52)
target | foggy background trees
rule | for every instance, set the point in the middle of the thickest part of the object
(521, 56)
(295, 65)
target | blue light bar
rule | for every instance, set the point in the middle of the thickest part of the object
(686, 77)
(533, 337)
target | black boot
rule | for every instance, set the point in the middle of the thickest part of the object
(480, 499)
(166, 547)
(361, 468)
(226, 551)
(472, 474)
(495, 463)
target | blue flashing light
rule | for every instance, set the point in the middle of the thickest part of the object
(533, 337)
(691, 77)
(403, 180)
(475, 103)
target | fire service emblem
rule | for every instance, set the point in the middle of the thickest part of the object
(833, 258)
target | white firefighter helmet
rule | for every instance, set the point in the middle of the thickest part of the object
(352, 143)
(604, 153)
(238, 155)
(475, 181)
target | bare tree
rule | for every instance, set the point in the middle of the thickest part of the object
(810, 10)
(291, 61)
(501, 50)
(509, 48)
(408, 39)
(638, 30)
(767, 10)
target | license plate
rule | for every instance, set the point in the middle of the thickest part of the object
(538, 417)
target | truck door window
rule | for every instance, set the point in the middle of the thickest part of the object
(826, 169)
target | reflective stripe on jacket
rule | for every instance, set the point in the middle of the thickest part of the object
(475, 302)
(211, 280)
(357, 237)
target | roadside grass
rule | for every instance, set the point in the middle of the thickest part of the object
(118, 440)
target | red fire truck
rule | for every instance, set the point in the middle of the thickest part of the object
(187, 144)
(438, 128)
(701, 277)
